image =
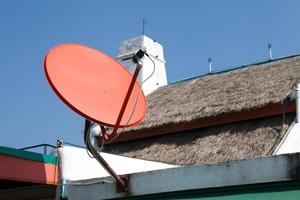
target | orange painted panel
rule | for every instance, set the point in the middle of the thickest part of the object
(12, 168)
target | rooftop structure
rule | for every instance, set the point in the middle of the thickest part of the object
(234, 114)
(223, 129)
(153, 73)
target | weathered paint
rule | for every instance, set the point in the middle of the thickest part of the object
(271, 169)
(277, 191)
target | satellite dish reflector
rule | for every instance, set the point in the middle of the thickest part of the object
(93, 85)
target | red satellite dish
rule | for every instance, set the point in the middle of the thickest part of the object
(94, 85)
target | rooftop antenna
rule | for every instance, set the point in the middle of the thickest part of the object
(270, 50)
(210, 62)
(82, 78)
(144, 25)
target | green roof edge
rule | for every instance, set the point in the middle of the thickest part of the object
(224, 70)
(27, 155)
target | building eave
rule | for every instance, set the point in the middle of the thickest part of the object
(226, 118)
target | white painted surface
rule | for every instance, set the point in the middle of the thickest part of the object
(291, 142)
(297, 91)
(75, 164)
(242, 172)
(129, 47)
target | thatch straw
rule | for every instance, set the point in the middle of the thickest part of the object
(248, 88)
(244, 89)
(209, 145)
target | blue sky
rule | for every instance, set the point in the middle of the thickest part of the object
(233, 33)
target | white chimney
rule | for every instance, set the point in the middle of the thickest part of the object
(129, 47)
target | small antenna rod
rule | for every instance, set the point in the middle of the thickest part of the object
(210, 62)
(270, 50)
(144, 25)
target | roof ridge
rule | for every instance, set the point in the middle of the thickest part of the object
(230, 69)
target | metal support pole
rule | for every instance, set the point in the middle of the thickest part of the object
(270, 50)
(45, 149)
(210, 62)
(121, 184)
(124, 105)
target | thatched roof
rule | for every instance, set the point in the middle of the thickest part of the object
(246, 88)
(178, 106)
(209, 145)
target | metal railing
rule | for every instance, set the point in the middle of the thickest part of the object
(45, 147)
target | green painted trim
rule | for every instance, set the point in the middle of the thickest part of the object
(27, 155)
(225, 70)
(289, 189)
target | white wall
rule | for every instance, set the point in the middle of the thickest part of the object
(155, 50)
(291, 141)
(76, 164)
